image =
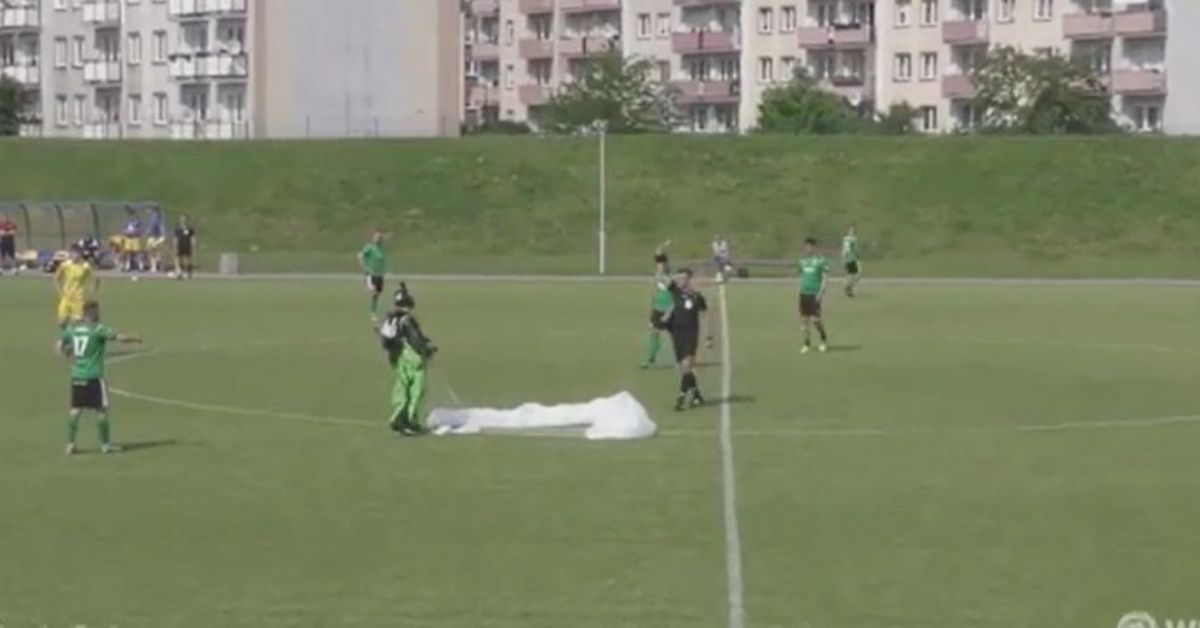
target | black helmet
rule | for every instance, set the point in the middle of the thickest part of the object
(403, 298)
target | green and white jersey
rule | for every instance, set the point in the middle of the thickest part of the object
(374, 259)
(812, 274)
(663, 301)
(88, 343)
(850, 248)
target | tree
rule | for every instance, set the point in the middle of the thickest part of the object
(899, 119)
(615, 90)
(1043, 93)
(12, 106)
(801, 106)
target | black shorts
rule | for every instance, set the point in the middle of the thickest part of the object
(656, 319)
(89, 394)
(183, 251)
(686, 342)
(375, 283)
(8, 246)
(852, 268)
(810, 305)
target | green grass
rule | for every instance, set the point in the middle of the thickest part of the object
(931, 206)
(887, 483)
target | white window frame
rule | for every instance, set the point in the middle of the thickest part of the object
(509, 32)
(61, 52)
(161, 112)
(902, 67)
(788, 19)
(510, 79)
(77, 47)
(133, 45)
(60, 5)
(929, 119)
(787, 67)
(903, 14)
(644, 26)
(1005, 11)
(766, 69)
(929, 71)
(79, 109)
(160, 47)
(930, 12)
(662, 25)
(766, 21)
(1043, 10)
(61, 115)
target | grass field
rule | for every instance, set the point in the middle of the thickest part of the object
(968, 455)
(950, 206)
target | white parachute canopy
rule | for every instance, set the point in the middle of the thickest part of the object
(619, 417)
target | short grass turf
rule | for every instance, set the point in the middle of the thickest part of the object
(965, 456)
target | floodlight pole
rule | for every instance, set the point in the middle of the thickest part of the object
(601, 127)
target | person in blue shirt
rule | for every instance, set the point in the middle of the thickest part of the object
(155, 239)
(131, 250)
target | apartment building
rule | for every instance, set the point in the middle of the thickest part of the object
(721, 55)
(231, 69)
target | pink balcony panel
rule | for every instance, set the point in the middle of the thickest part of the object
(1141, 23)
(702, 92)
(485, 50)
(535, 6)
(1139, 82)
(1087, 26)
(585, 46)
(704, 42)
(535, 48)
(485, 7)
(957, 86)
(480, 96)
(534, 95)
(964, 32)
(704, 3)
(822, 37)
(588, 6)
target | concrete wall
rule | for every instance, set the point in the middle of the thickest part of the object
(1182, 114)
(370, 68)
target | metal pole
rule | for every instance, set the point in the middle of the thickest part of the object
(603, 196)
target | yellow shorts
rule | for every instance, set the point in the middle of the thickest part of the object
(133, 245)
(69, 310)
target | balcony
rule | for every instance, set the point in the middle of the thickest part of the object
(588, 6)
(480, 96)
(201, 8)
(485, 51)
(205, 65)
(704, 42)
(586, 46)
(957, 87)
(964, 32)
(535, 6)
(847, 36)
(533, 95)
(1139, 82)
(1088, 26)
(192, 129)
(102, 71)
(19, 18)
(25, 75)
(706, 92)
(102, 13)
(535, 48)
(853, 87)
(485, 7)
(692, 4)
(102, 131)
(1141, 23)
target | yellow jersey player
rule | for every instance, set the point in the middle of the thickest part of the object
(76, 283)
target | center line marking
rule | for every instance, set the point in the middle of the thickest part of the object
(733, 537)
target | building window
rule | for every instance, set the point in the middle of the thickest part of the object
(160, 108)
(664, 71)
(60, 110)
(766, 20)
(663, 24)
(700, 118)
(135, 48)
(726, 118)
(929, 66)
(1004, 10)
(903, 13)
(508, 32)
(509, 79)
(133, 1)
(60, 5)
(60, 52)
(729, 69)
(1148, 118)
(1043, 9)
(79, 110)
(903, 66)
(135, 109)
(787, 68)
(929, 119)
(643, 26)
(77, 52)
(929, 12)
(160, 47)
(787, 19)
(766, 69)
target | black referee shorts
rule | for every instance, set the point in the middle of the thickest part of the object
(685, 341)
(8, 247)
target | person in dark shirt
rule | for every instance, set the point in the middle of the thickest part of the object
(688, 310)
(8, 245)
(408, 351)
(185, 249)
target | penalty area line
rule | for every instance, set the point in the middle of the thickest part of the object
(733, 536)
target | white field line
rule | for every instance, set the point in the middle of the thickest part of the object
(733, 536)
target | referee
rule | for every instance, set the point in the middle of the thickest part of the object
(683, 322)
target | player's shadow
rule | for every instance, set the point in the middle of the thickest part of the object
(126, 353)
(732, 400)
(843, 348)
(152, 444)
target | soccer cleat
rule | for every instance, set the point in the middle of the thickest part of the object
(110, 449)
(71, 449)
(823, 348)
(697, 399)
(805, 349)
(681, 403)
